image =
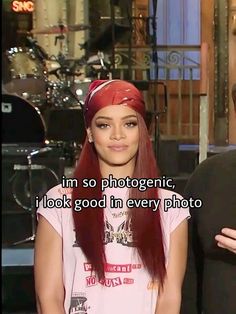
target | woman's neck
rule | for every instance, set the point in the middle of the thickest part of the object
(117, 172)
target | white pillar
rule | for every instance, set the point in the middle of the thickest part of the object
(49, 13)
(78, 13)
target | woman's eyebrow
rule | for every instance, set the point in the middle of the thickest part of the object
(123, 118)
(104, 117)
(129, 116)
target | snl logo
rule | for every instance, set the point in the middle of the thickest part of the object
(22, 6)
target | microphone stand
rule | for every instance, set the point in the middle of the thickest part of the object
(32, 204)
(38, 51)
(129, 15)
(113, 37)
(155, 62)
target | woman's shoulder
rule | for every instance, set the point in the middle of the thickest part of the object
(173, 208)
(168, 194)
(56, 201)
(58, 191)
(55, 206)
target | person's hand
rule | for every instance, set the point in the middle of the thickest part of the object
(227, 239)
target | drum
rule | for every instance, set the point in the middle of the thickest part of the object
(43, 178)
(80, 89)
(98, 66)
(23, 63)
(22, 122)
(60, 96)
(27, 74)
(52, 66)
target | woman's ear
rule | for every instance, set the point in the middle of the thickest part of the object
(89, 134)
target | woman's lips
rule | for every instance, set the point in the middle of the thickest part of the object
(118, 148)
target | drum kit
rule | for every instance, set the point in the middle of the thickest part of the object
(42, 102)
(50, 83)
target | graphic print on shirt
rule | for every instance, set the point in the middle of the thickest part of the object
(121, 275)
(78, 304)
(123, 235)
(108, 233)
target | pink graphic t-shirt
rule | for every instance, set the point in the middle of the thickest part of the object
(127, 288)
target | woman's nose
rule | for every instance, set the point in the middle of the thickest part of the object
(117, 133)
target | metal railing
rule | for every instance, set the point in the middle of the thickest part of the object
(178, 66)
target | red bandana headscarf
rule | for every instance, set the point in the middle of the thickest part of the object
(104, 93)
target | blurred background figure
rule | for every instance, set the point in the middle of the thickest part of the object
(210, 283)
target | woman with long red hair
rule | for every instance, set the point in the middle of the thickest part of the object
(102, 255)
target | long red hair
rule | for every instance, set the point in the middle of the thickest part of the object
(146, 224)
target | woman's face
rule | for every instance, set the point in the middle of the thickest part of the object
(114, 131)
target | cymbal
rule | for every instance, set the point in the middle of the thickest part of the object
(23, 31)
(68, 58)
(60, 29)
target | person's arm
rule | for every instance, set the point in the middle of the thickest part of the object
(191, 290)
(169, 299)
(227, 240)
(49, 286)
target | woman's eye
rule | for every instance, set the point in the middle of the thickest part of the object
(102, 125)
(131, 124)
